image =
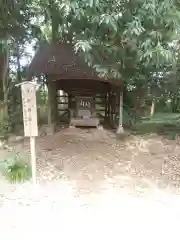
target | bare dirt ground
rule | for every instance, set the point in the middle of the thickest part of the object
(92, 185)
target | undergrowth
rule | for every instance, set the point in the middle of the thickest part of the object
(167, 125)
(5, 129)
(15, 169)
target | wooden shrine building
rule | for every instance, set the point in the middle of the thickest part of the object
(76, 94)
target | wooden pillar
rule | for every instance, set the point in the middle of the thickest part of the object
(120, 124)
(69, 106)
(93, 105)
(70, 96)
(106, 106)
(110, 107)
(114, 101)
(52, 103)
(116, 110)
(55, 103)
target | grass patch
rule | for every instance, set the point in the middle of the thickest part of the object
(167, 125)
(15, 169)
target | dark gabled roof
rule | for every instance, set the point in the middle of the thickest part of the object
(61, 61)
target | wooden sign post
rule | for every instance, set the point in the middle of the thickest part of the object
(28, 90)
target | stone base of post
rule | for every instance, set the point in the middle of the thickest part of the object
(120, 130)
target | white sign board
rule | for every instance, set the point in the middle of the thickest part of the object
(29, 109)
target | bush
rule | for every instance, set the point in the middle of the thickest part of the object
(15, 169)
(5, 128)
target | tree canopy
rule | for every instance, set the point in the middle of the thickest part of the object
(117, 38)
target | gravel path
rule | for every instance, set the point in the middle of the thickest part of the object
(91, 185)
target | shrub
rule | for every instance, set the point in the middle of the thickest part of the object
(5, 128)
(15, 169)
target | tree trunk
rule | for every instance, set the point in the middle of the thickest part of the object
(5, 83)
(18, 56)
(52, 105)
(17, 96)
(174, 103)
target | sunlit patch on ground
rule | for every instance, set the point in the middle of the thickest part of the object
(55, 211)
(93, 186)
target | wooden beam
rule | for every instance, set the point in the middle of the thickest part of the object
(108, 110)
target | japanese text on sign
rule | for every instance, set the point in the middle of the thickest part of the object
(29, 109)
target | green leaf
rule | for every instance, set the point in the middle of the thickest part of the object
(82, 46)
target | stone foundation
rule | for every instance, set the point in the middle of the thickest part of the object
(120, 130)
(47, 130)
